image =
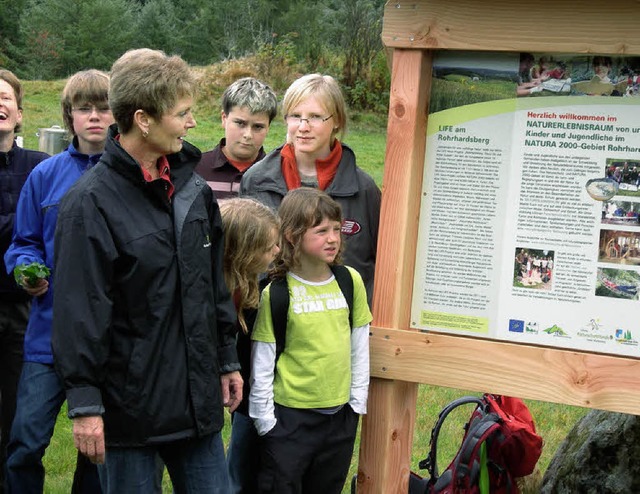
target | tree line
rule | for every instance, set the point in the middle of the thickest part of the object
(52, 39)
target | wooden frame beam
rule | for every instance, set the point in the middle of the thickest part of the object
(567, 26)
(387, 431)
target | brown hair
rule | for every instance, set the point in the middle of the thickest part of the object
(148, 80)
(85, 87)
(301, 209)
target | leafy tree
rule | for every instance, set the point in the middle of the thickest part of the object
(197, 34)
(360, 38)
(10, 13)
(158, 26)
(314, 28)
(240, 27)
(63, 36)
(48, 39)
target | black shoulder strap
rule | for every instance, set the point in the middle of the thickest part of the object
(279, 303)
(345, 282)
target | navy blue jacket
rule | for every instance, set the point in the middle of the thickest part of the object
(15, 167)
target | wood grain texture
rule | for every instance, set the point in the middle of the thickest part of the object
(387, 432)
(539, 373)
(387, 437)
(560, 26)
(401, 187)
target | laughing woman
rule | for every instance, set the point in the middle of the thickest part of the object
(144, 336)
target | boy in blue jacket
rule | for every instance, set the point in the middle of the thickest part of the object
(87, 117)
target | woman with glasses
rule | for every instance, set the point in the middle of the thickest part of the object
(314, 156)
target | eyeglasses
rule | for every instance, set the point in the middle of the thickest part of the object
(313, 121)
(89, 109)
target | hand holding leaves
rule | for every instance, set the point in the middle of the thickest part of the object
(30, 273)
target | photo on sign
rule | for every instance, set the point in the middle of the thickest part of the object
(617, 283)
(619, 212)
(619, 247)
(577, 75)
(464, 78)
(626, 172)
(533, 268)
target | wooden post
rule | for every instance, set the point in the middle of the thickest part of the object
(387, 432)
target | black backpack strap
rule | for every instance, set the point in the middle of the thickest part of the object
(279, 302)
(480, 430)
(430, 462)
(345, 282)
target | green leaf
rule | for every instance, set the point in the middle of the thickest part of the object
(31, 272)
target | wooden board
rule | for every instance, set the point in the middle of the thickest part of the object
(568, 26)
(546, 374)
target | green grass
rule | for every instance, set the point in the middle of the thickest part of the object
(367, 137)
(553, 422)
(366, 133)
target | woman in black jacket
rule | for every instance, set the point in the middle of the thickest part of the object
(144, 333)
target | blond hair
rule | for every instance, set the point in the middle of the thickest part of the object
(248, 235)
(326, 89)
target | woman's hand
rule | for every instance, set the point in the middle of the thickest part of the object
(88, 437)
(231, 384)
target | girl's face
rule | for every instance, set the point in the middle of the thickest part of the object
(267, 257)
(321, 243)
(314, 139)
(601, 71)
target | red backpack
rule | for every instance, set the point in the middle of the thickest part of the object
(500, 444)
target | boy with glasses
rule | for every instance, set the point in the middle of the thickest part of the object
(248, 107)
(87, 117)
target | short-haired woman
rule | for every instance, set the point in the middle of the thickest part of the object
(144, 336)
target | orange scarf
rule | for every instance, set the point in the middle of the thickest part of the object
(325, 168)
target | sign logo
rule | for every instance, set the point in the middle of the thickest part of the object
(516, 326)
(350, 227)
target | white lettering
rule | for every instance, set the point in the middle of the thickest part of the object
(308, 306)
(336, 303)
